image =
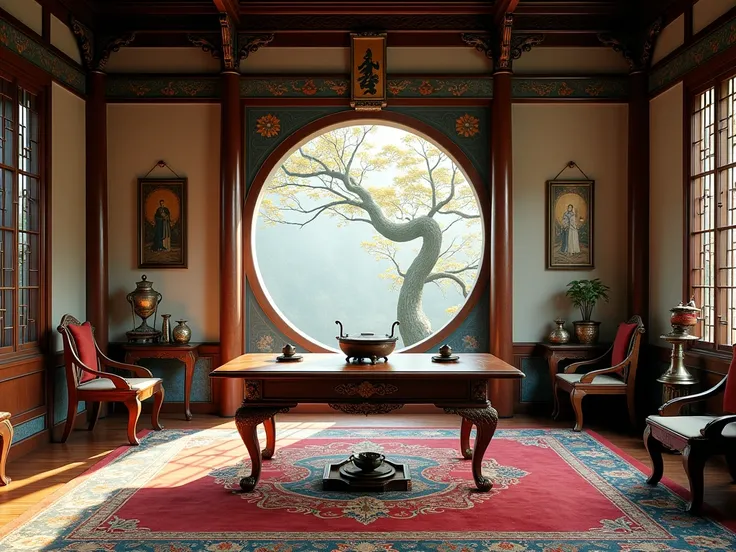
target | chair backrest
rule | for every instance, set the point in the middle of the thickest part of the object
(626, 347)
(729, 397)
(78, 349)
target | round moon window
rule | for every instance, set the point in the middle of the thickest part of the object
(368, 224)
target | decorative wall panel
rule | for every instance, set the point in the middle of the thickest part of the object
(28, 429)
(171, 371)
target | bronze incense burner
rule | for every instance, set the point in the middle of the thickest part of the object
(367, 345)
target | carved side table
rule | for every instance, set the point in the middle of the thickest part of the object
(186, 353)
(569, 351)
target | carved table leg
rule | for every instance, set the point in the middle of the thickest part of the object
(485, 420)
(247, 419)
(189, 362)
(552, 363)
(465, 450)
(269, 425)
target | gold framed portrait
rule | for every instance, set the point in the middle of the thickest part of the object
(162, 223)
(570, 220)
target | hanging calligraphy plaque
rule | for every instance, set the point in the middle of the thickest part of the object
(368, 71)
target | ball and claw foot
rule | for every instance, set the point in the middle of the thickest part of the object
(267, 453)
(248, 483)
(483, 483)
(468, 453)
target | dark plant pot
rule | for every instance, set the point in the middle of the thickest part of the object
(586, 331)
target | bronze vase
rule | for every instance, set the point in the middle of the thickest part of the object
(181, 332)
(586, 331)
(559, 335)
(144, 302)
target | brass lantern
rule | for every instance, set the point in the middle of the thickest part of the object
(144, 302)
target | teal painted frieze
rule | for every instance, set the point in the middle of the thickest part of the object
(131, 87)
(449, 87)
(289, 87)
(36, 53)
(601, 88)
(714, 43)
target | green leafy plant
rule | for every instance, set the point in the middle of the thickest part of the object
(586, 293)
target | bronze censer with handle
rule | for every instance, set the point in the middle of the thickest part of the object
(367, 345)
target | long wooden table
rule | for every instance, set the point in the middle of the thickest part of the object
(273, 387)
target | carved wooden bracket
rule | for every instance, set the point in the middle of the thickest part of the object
(503, 46)
(96, 53)
(636, 49)
(230, 46)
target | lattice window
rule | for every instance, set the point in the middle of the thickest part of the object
(713, 212)
(20, 217)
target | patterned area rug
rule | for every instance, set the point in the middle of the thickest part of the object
(554, 491)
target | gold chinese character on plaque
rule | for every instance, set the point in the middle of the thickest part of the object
(368, 71)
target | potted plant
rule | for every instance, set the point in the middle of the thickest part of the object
(584, 295)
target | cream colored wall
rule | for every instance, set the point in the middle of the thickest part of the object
(671, 37)
(545, 138)
(400, 60)
(68, 261)
(570, 61)
(187, 137)
(666, 225)
(162, 60)
(707, 11)
(63, 38)
(28, 12)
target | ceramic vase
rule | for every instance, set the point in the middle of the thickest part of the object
(181, 332)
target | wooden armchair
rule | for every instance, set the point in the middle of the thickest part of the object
(696, 437)
(6, 438)
(618, 376)
(87, 381)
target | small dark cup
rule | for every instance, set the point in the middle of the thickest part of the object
(367, 461)
(288, 350)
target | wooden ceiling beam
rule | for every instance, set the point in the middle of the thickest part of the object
(231, 8)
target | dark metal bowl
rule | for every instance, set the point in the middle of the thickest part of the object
(367, 345)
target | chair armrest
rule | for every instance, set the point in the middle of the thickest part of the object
(572, 368)
(672, 408)
(714, 428)
(140, 371)
(588, 378)
(118, 381)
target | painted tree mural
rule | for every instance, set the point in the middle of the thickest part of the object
(334, 175)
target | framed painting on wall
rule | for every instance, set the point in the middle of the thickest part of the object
(162, 223)
(570, 220)
(368, 71)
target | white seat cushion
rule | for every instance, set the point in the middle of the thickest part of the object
(690, 426)
(603, 379)
(103, 383)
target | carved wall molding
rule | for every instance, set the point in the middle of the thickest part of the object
(504, 45)
(96, 52)
(229, 46)
(208, 44)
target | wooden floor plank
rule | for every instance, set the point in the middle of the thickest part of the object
(42, 472)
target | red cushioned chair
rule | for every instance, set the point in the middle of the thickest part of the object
(87, 381)
(617, 378)
(696, 437)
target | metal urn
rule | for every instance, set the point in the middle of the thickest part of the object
(144, 302)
